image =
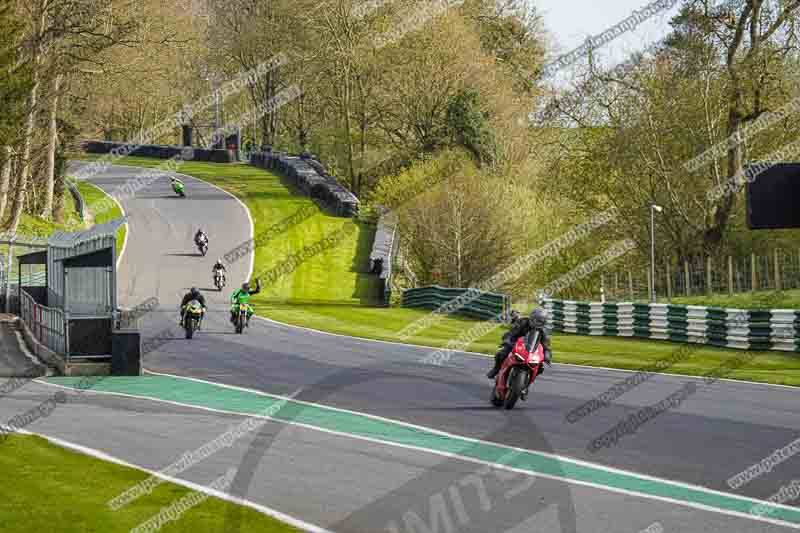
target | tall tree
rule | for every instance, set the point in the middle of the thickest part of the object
(15, 85)
(751, 35)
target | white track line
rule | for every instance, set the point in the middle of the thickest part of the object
(683, 503)
(582, 367)
(295, 522)
(127, 234)
(433, 348)
(166, 172)
(246, 210)
(127, 226)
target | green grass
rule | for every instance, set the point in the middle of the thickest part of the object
(91, 195)
(271, 199)
(48, 488)
(31, 226)
(38, 227)
(753, 300)
(611, 352)
(329, 293)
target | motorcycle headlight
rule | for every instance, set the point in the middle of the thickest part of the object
(519, 356)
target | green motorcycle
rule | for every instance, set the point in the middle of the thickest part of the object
(178, 187)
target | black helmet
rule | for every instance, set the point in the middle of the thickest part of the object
(245, 286)
(538, 317)
(195, 292)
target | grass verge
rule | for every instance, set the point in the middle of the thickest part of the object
(272, 199)
(328, 293)
(71, 492)
(91, 195)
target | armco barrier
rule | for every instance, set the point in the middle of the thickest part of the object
(384, 249)
(772, 329)
(311, 178)
(161, 151)
(485, 306)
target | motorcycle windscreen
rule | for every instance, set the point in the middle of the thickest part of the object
(532, 341)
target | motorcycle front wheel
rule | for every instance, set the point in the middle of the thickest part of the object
(517, 383)
(496, 400)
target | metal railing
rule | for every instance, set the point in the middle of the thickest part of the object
(47, 325)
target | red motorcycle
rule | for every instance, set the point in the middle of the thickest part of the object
(519, 371)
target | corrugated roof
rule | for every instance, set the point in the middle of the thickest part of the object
(23, 240)
(62, 239)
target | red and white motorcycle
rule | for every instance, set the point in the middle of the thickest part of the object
(520, 369)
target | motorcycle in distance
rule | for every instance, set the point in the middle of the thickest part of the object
(524, 362)
(202, 246)
(178, 187)
(219, 280)
(241, 319)
(192, 318)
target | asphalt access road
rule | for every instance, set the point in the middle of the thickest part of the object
(13, 361)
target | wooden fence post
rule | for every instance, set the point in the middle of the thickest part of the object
(686, 279)
(709, 277)
(778, 284)
(730, 275)
(630, 285)
(602, 287)
(669, 279)
(753, 279)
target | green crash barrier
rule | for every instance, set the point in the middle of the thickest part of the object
(465, 302)
(762, 329)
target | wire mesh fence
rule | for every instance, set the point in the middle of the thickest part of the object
(705, 276)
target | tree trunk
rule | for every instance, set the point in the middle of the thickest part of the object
(27, 142)
(348, 129)
(47, 212)
(5, 180)
(721, 214)
(58, 201)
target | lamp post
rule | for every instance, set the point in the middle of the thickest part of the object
(653, 209)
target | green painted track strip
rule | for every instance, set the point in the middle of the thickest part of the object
(245, 402)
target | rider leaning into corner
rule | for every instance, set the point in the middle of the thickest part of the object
(193, 294)
(519, 328)
(242, 296)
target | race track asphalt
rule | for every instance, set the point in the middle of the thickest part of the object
(353, 485)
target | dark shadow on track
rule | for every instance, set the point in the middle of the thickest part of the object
(504, 500)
